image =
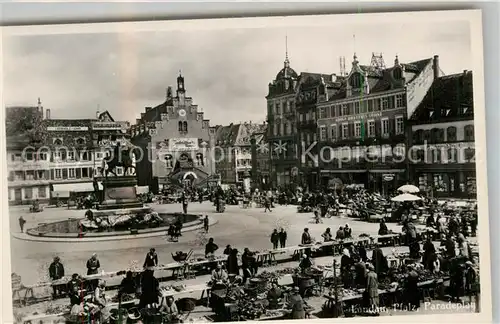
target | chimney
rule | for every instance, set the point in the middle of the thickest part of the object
(148, 109)
(47, 114)
(435, 66)
(97, 113)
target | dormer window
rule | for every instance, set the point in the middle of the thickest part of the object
(57, 141)
(397, 73)
(356, 80)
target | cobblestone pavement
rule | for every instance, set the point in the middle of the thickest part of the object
(239, 227)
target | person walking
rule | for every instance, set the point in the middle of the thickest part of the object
(22, 221)
(206, 223)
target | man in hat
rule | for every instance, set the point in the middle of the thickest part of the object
(297, 305)
(93, 266)
(56, 272)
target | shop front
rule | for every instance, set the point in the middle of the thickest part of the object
(448, 183)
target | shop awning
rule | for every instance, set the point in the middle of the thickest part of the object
(62, 190)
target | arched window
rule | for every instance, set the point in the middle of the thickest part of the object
(169, 161)
(469, 133)
(397, 73)
(427, 135)
(451, 134)
(418, 136)
(181, 127)
(199, 159)
(185, 126)
(57, 141)
(434, 135)
(80, 141)
(356, 80)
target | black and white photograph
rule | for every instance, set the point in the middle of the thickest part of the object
(247, 169)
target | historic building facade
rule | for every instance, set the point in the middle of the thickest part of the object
(442, 143)
(176, 141)
(59, 156)
(234, 151)
(282, 126)
(358, 121)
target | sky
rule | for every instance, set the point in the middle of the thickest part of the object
(226, 72)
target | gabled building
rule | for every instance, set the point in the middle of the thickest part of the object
(261, 166)
(177, 142)
(282, 125)
(442, 142)
(359, 123)
(234, 151)
(52, 158)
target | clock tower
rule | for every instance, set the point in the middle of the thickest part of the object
(181, 91)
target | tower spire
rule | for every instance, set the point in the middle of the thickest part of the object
(287, 61)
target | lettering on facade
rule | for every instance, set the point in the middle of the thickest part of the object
(67, 128)
(418, 88)
(183, 144)
(358, 117)
(106, 126)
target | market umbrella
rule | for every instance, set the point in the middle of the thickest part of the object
(409, 189)
(406, 197)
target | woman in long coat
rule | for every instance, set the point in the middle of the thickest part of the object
(232, 263)
(371, 291)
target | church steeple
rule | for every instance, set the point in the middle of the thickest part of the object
(287, 61)
(180, 83)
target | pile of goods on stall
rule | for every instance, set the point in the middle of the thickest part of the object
(171, 289)
(251, 309)
(56, 309)
(124, 298)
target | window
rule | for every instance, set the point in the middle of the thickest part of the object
(345, 110)
(371, 128)
(322, 113)
(345, 130)
(376, 105)
(357, 129)
(71, 173)
(384, 103)
(180, 127)
(278, 108)
(85, 172)
(399, 101)
(369, 105)
(385, 126)
(282, 129)
(285, 129)
(356, 80)
(469, 133)
(57, 141)
(399, 125)
(71, 155)
(451, 134)
(356, 108)
(275, 129)
(397, 73)
(322, 133)
(41, 192)
(199, 159)
(185, 126)
(28, 193)
(29, 156)
(364, 106)
(333, 111)
(80, 141)
(333, 132)
(57, 173)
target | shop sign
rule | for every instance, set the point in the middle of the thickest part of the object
(67, 128)
(358, 117)
(106, 126)
(183, 144)
(388, 177)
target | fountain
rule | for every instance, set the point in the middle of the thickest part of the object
(119, 211)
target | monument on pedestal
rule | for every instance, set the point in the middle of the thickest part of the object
(119, 193)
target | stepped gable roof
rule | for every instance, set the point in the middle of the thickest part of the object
(450, 96)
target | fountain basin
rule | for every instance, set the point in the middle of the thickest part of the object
(71, 228)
